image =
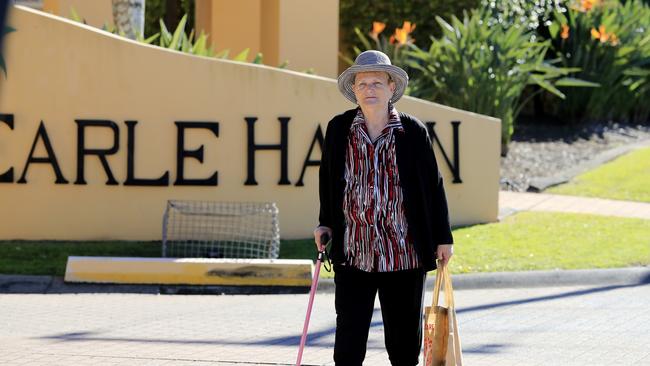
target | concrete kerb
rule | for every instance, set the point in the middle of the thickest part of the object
(578, 277)
(601, 277)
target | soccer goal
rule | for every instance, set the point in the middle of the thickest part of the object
(209, 229)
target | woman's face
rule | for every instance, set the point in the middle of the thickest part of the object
(373, 89)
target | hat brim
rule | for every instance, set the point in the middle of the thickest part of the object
(399, 76)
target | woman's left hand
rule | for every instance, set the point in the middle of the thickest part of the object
(444, 253)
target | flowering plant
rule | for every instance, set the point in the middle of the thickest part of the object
(394, 45)
(484, 67)
(609, 43)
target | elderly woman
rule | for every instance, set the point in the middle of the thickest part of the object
(383, 204)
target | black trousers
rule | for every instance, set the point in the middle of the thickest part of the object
(400, 296)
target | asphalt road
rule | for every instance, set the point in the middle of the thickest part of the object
(605, 324)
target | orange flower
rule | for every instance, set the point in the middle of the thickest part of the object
(392, 39)
(588, 4)
(565, 31)
(377, 27)
(408, 27)
(585, 5)
(600, 34)
(401, 35)
(603, 36)
(594, 33)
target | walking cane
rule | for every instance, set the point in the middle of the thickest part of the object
(324, 238)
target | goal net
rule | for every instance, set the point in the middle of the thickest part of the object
(210, 229)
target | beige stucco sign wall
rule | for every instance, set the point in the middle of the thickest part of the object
(97, 132)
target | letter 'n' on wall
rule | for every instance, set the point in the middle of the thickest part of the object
(455, 166)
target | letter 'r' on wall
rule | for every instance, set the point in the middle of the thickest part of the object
(101, 153)
(8, 176)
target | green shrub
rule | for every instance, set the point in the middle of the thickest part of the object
(483, 68)
(179, 40)
(531, 14)
(610, 43)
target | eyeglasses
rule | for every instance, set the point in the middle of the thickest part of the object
(364, 86)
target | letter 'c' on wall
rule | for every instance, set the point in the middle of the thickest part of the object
(8, 176)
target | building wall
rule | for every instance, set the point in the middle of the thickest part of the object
(309, 33)
(302, 32)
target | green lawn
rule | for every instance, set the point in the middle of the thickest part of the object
(625, 178)
(545, 240)
(50, 257)
(548, 240)
(525, 241)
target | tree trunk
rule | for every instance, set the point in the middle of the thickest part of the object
(128, 16)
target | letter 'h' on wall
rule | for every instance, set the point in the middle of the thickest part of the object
(283, 146)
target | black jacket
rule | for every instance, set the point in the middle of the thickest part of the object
(424, 195)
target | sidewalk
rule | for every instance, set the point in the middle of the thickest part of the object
(511, 202)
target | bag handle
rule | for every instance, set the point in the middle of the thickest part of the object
(449, 290)
(458, 350)
(442, 275)
(436, 287)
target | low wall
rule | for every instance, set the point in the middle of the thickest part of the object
(97, 132)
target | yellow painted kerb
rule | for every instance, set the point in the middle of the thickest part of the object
(190, 271)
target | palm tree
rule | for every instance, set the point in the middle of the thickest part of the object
(128, 16)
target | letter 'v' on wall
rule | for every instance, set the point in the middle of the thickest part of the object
(60, 72)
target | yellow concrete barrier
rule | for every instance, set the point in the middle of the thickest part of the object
(190, 271)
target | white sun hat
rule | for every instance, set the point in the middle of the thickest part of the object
(373, 61)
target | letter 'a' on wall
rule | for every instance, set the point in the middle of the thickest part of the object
(97, 132)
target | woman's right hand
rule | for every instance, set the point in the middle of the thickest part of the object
(318, 232)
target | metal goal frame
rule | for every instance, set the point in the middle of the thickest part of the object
(213, 229)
